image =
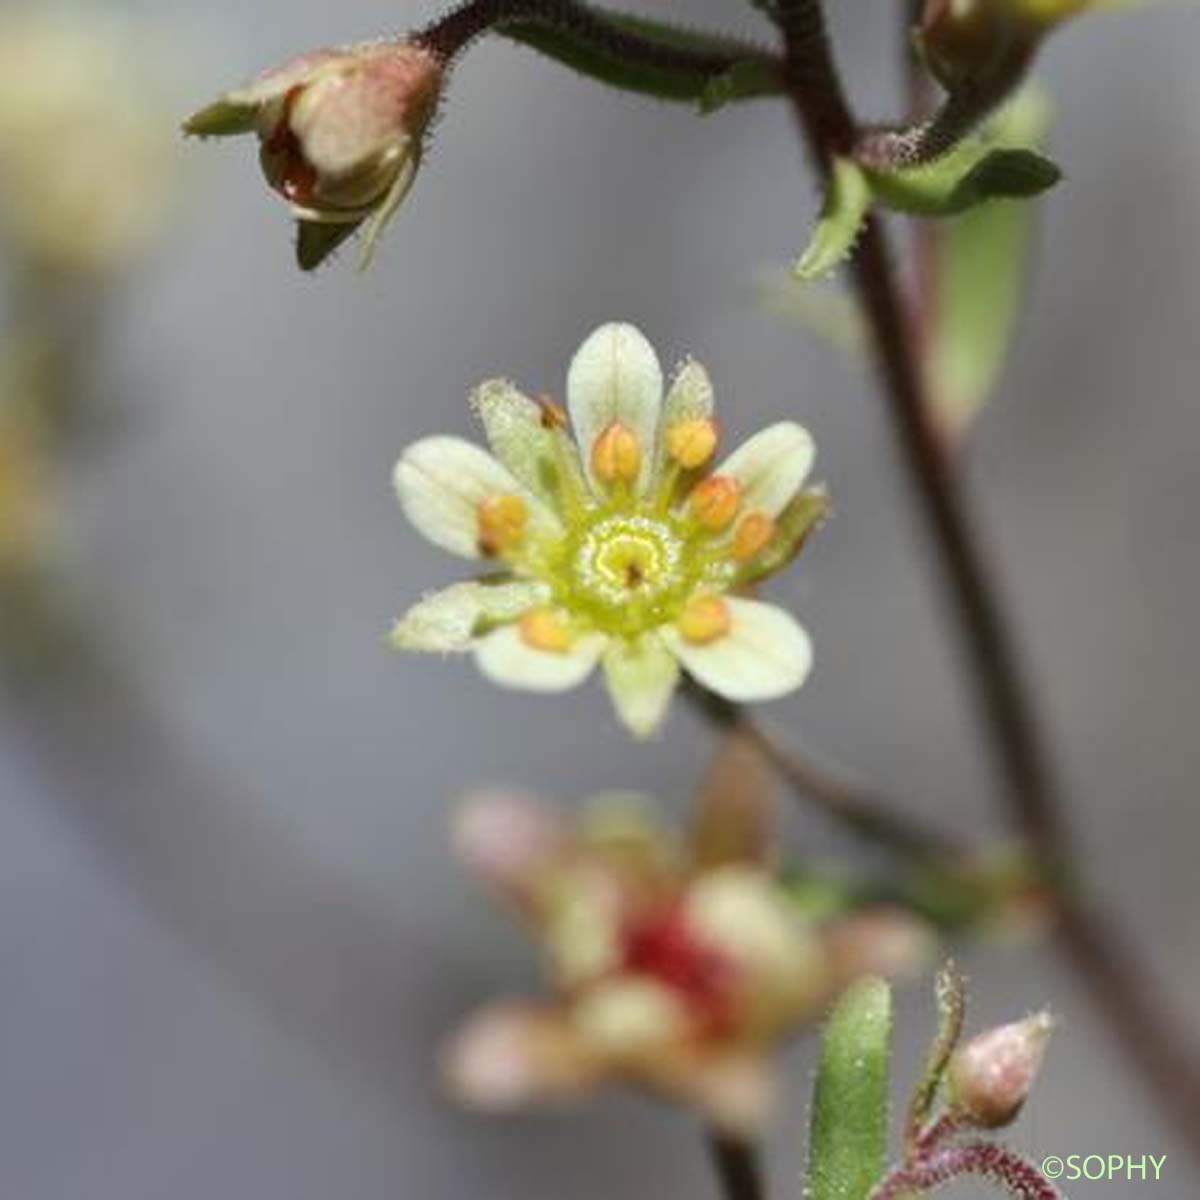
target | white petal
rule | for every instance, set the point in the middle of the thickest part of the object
(510, 841)
(615, 376)
(507, 659)
(441, 482)
(515, 1054)
(518, 435)
(446, 622)
(765, 654)
(641, 677)
(772, 466)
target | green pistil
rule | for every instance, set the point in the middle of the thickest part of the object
(624, 567)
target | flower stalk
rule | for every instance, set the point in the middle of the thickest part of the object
(736, 1165)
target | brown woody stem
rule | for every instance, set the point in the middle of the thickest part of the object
(1121, 988)
(737, 1167)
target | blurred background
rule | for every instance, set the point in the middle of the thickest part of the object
(231, 940)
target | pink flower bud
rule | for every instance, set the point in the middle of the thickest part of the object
(990, 1077)
(341, 134)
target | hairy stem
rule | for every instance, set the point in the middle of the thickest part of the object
(610, 34)
(737, 1167)
(1121, 989)
(1008, 1171)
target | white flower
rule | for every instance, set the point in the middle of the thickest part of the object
(628, 550)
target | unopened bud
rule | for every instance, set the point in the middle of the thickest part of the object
(752, 536)
(714, 503)
(990, 1077)
(964, 39)
(502, 520)
(341, 134)
(704, 620)
(692, 443)
(616, 455)
(544, 629)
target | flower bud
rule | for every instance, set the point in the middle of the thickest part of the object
(341, 134)
(714, 503)
(964, 39)
(990, 1077)
(616, 455)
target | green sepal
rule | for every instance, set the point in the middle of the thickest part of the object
(581, 50)
(803, 514)
(951, 991)
(224, 118)
(847, 202)
(317, 240)
(847, 1151)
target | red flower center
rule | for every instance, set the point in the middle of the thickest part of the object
(662, 946)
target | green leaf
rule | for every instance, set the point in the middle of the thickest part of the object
(847, 202)
(745, 80)
(848, 1141)
(826, 311)
(981, 267)
(971, 175)
(1001, 162)
(591, 46)
(951, 991)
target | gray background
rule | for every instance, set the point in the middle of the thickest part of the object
(233, 985)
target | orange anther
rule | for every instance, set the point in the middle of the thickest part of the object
(616, 455)
(692, 443)
(544, 629)
(714, 503)
(502, 520)
(704, 620)
(752, 536)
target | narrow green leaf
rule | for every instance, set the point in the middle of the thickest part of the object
(971, 175)
(743, 81)
(848, 1141)
(1001, 162)
(847, 202)
(591, 47)
(981, 268)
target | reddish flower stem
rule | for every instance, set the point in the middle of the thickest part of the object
(1020, 1179)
